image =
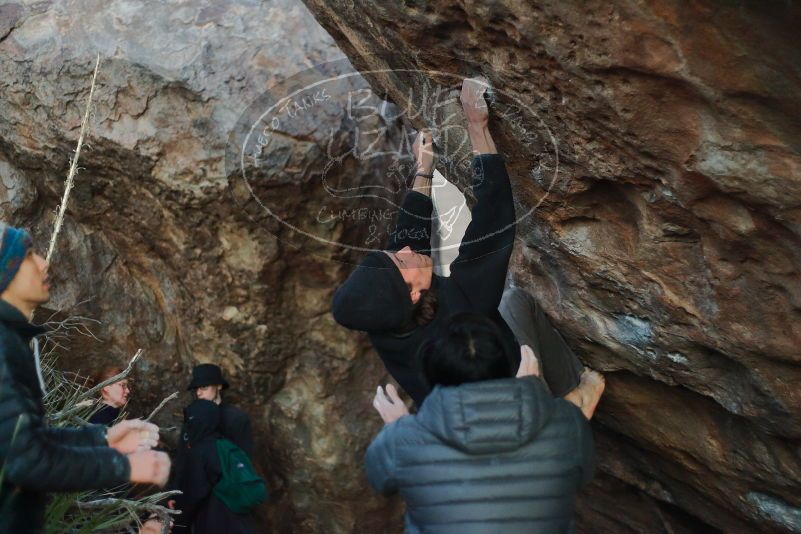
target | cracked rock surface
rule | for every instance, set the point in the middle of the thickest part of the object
(657, 144)
(667, 247)
(164, 248)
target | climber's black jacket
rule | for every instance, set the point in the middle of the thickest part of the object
(35, 459)
(478, 274)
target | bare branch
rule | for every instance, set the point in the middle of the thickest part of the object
(161, 512)
(91, 392)
(161, 405)
(76, 323)
(73, 166)
(136, 505)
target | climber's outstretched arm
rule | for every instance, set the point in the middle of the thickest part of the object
(475, 108)
(413, 228)
(479, 271)
(423, 150)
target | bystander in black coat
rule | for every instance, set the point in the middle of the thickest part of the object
(235, 426)
(197, 470)
(105, 415)
(235, 423)
(36, 459)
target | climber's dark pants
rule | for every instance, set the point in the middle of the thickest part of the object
(559, 365)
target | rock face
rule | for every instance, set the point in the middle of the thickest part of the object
(172, 256)
(665, 246)
(654, 150)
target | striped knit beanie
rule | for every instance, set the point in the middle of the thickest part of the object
(14, 245)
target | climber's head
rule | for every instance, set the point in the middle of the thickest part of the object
(23, 272)
(468, 348)
(384, 291)
(416, 270)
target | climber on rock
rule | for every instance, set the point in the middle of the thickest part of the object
(485, 453)
(397, 299)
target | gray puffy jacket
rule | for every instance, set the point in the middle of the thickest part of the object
(492, 456)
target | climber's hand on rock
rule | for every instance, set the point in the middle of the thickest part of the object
(529, 364)
(423, 149)
(389, 404)
(472, 98)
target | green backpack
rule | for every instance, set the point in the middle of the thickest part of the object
(239, 488)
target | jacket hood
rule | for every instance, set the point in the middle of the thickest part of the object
(202, 419)
(488, 416)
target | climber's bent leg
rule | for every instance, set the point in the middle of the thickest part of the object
(559, 366)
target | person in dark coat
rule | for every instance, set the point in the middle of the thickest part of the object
(396, 298)
(208, 383)
(35, 458)
(485, 453)
(197, 471)
(112, 397)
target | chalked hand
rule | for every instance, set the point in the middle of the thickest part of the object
(388, 404)
(473, 102)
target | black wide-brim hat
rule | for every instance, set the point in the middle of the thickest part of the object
(206, 374)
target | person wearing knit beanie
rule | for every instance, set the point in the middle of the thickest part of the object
(35, 457)
(14, 246)
(374, 297)
(23, 273)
